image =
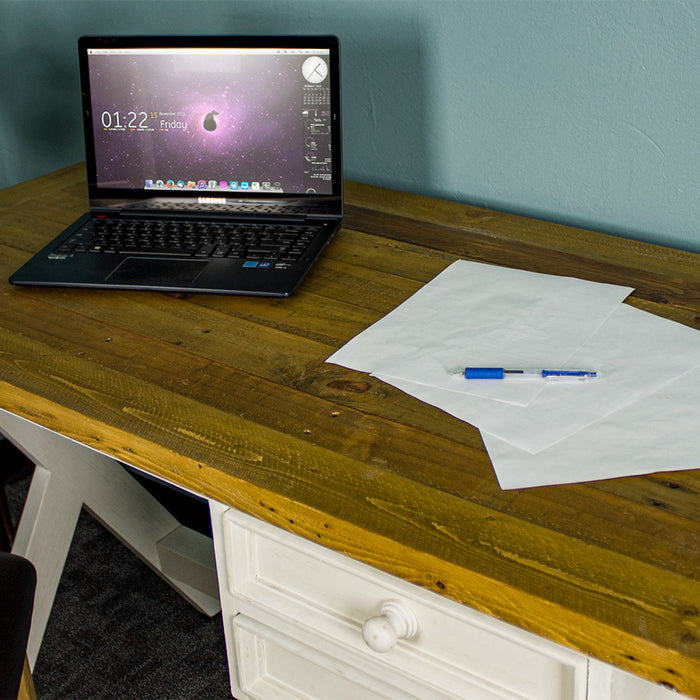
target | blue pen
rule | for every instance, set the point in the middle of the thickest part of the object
(580, 375)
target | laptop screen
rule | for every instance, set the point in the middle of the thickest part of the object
(233, 116)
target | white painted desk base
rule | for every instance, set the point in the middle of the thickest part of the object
(295, 617)
(268, 641)
(68, 476)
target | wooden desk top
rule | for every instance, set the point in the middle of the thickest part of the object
(231, 397)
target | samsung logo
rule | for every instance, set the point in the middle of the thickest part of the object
(211, 200)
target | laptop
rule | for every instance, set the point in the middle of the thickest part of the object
(213, 165)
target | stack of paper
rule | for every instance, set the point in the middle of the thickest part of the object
(640, 415)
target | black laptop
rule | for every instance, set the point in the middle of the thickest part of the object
(213, 165)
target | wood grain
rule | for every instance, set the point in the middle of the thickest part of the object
(232, 397)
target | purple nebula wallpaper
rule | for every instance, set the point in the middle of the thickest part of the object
(210, 120)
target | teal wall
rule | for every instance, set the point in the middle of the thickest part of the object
(582, 112)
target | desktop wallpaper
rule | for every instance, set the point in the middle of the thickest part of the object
(166, 120)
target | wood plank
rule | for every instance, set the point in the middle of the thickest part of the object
(357, 433)
(371, 201)
(658, 274)
(71, 179)
(131, 313)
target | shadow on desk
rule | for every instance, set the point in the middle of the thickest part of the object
(190, 511)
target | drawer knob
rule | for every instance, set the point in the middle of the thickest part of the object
(395, 622)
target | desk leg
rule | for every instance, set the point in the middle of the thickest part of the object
(44, 536)
(69, 475)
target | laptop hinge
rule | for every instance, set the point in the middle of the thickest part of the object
(211, 215)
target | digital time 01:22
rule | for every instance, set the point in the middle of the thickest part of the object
(132, 120)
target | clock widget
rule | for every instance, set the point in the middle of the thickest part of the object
(314, 69)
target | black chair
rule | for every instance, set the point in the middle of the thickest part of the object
(17, 586)
(14, 465)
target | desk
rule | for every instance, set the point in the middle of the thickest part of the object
(230, 398)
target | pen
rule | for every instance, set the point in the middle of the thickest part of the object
(580, 375)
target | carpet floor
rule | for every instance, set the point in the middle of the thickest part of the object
(118, 631)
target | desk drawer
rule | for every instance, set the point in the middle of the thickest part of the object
(323, 598)
(278, 666)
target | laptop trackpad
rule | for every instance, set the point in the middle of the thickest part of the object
(156, 272)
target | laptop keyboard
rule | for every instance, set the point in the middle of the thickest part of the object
(197, 239)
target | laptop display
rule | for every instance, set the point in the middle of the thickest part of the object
(215, 120)
(228, 136)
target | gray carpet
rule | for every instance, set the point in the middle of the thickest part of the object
(119, 631)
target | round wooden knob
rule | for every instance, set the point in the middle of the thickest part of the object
(395, 622)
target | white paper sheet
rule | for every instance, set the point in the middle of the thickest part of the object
(657, 434)
(636, 353)
(641, 416)
(483, 315)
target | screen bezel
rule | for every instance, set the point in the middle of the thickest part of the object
(105, 194)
